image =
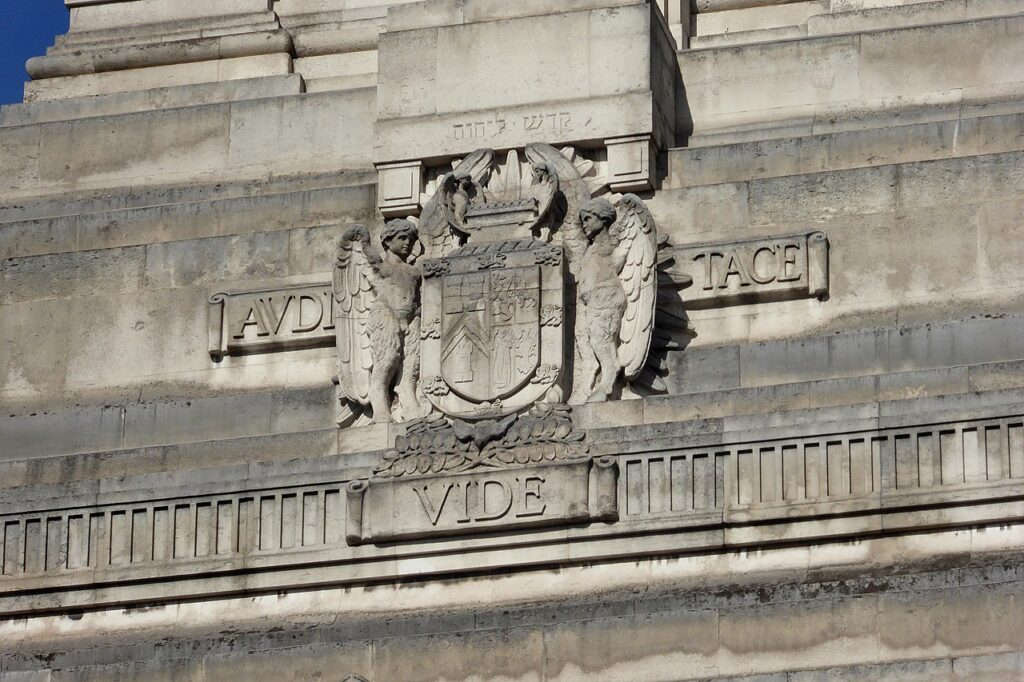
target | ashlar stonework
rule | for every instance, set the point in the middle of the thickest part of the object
(377, 340)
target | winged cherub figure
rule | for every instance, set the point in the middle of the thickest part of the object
(616, 289)
(443, 220)
(377, 323)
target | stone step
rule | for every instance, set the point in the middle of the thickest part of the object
(779, 89)
(969, 131)
(176, 97)
(770, 384)
(809, 19)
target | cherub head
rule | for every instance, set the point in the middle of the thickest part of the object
(541, 172)
(596, 215)
(463, 180)
(399, 237)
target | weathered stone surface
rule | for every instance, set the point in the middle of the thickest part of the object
(819, 470)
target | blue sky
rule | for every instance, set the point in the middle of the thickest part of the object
(27, 28)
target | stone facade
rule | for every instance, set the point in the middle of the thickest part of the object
(466, 339)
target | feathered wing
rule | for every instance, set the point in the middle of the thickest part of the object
(436, 226)
(352, 298)
(638, 239)
(545, 193)
(571, 195)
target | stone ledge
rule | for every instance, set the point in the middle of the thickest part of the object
(748, 385)
(725, 87)
(687, 500)
(161, 54)
(687, 617)
(865, 146)
(177, 97)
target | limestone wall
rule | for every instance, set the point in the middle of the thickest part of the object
(829, 489)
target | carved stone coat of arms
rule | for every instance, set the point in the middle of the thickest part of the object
(496, 336)
(516, 292)
(521, 287)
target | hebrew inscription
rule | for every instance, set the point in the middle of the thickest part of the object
(493, 126)
(264, 320)
(753, 271)
(385, 510)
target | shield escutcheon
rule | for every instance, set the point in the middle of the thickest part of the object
(492, 327)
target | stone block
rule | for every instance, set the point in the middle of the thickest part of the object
(320, 41)
(844, 20)
(219, 259)
(303, 134)
(179, 670)
(970, 341)
(129, 338)
(188, 220)
(69, 431)
(700, 370)
(345, 660)
(117, 148)
(649, 647)
(816, 197)
(146, 78)
(975, 53)
(582, 66)
(702, 213)
(307, 410)
(814, 633)
(946, 182)
(34, 337)
(753, 18)
(840, 150)
(195, 420)
(65, 274)
(967, 620)
(721, 83)
(359, 81)
(33, 238)
(905, 671)
(990, 668)
(399, 188)
(631, 163)
(19, 158)
(106, 16)
(334, 65)
(312, 250)
(47, 111)
(515, 653)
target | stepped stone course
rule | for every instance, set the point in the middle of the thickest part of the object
(376, 340)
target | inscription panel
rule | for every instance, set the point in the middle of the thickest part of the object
(382, 510)
(749, 271)
(271, 319)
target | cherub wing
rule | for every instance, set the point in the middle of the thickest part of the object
(353, 296)
(638, 242)
(572, 192)
(436, 226)
(477, 165)
(545, 192)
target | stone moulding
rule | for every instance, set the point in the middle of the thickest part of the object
(753, 270)
(482, 501)
(264, 320)
(932, 473)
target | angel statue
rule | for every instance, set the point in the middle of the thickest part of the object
(377, 324)
(614, 261)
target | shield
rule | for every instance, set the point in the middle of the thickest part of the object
(492, 327)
